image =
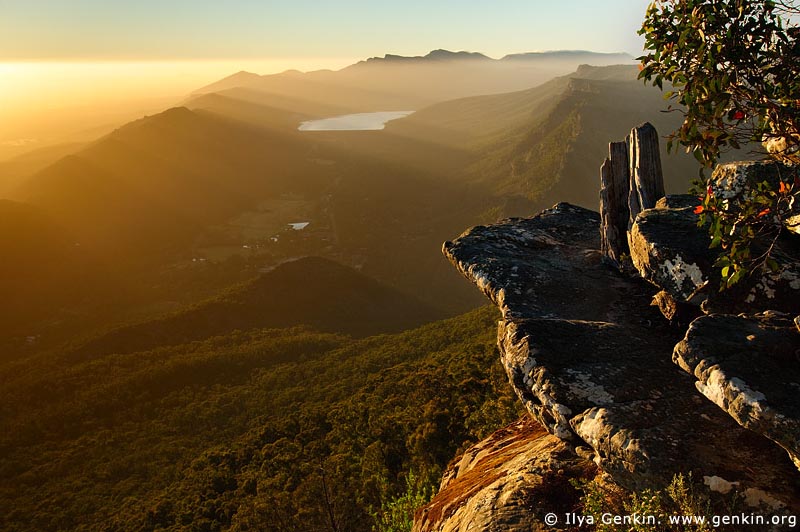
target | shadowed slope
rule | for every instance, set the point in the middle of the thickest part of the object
(311, 291)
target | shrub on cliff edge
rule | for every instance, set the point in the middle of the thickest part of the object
(734, 68)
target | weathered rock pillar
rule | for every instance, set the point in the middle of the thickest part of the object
(646, 177)
(631, 181)
(614, 190)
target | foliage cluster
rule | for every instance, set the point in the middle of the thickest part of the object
(397, 513)
(681, 498)
(733, 68)
(734, 71)
(746, 228)
(288, 430)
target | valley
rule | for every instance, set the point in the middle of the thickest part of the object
(175, 207)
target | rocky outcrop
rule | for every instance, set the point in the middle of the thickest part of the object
(748, 366)
(669, 250)
(594, 362)
(507, 483)
(591, 359)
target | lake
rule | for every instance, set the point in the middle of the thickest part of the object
(353, 122)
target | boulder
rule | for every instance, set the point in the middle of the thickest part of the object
(669, 250)
(507, 483)
(748, 366)
(591, 359)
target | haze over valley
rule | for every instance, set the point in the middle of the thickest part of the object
(208, 190)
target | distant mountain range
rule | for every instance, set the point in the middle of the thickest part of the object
(434, 55)
(581, 56)
(396, 82)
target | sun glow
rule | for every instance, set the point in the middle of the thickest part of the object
(42, 102)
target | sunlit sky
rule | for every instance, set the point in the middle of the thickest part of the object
(170, 29)
(108, 58)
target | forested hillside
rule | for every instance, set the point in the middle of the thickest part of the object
(256, 430)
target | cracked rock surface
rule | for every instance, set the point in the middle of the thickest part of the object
(592, 360)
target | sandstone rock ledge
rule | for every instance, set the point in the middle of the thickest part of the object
(592, 360)
(507, 483)
(747, 364)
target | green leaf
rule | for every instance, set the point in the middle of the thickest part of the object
(736, 277)
(772, 264)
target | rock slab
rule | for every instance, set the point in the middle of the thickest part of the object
(748, 366)
(592, 360)
(672, 252)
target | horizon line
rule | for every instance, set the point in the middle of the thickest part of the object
(213, 59)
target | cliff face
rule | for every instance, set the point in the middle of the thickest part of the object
(591, 359)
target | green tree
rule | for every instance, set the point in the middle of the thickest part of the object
(397, 512)
(734, 73)
(733, 67)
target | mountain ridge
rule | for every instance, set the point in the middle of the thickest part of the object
(434, 55)
(411, 82)
(313, 291)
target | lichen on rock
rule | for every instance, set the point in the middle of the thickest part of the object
(669, 250)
